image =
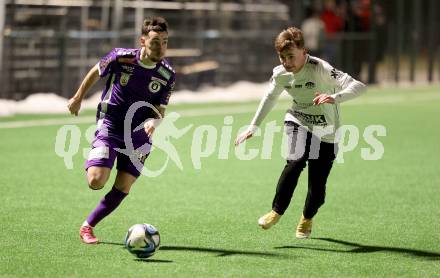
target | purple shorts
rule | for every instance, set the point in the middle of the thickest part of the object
(107, 147)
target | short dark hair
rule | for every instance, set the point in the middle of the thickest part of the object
(155, 23)
(290, 37)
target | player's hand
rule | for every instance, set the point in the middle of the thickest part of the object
(149, 127)
(242, 137)
(322, 98)
(74, 105)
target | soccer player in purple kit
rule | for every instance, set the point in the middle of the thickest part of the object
(133, 76)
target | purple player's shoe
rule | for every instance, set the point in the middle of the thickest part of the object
(87, 236)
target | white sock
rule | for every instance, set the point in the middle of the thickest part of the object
(86, 224)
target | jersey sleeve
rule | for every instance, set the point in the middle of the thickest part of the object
(169, 89)
(345, 87)
(267, 103)
(106, 63)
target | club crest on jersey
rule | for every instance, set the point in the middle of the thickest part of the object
(124, 78)
(310, 85)
(154, 86)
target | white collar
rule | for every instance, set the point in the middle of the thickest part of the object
(142, 64)
(302, 69)
(146, 66)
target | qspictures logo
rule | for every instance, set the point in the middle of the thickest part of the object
(209, 140)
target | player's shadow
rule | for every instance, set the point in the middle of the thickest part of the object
(220, 252)
(147, 260)
(111, 243)
(360, 248)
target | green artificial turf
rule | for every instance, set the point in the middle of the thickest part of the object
(380, 219)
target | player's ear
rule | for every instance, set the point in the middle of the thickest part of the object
(142, 40)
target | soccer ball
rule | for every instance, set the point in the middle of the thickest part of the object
(142, 240)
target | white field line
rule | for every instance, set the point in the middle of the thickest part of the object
(47, 122)
(237, 109)
(224, 110)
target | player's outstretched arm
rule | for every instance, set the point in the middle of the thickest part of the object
(266, 104)
(91, 78)
(243, 137)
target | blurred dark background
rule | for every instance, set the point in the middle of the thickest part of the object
(49, 45)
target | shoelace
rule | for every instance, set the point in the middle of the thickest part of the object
(304, 226)
(271, 217)
(88, 232)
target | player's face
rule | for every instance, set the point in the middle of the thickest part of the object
(293, 58)
(155, 44)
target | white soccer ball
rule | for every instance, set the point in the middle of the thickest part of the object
(142, 240)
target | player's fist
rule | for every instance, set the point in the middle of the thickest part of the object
(74, 105)
(150, 126)
(322, 98)
(242, 137)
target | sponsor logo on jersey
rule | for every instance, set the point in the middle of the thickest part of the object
(154, 86)
(165, 73)
(298, 86)
(163, 82)
(302, 105)
(124, 78)
(311, 119)
(310, 85)
(288, 87)
(128, 68)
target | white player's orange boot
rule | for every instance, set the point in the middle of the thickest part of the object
(304, 228)
(87, 236)
(269, 219)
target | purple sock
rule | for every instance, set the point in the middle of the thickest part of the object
(108, 204)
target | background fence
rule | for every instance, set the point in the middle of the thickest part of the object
(49, 45)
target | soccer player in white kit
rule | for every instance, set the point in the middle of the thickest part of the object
(317, 88)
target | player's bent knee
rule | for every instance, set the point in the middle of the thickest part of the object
(96, 184)
(296, 164)
(96, 181)
(97, 177)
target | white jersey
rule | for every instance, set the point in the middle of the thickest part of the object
(316, 76)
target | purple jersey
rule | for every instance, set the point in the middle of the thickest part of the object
(129, 81)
